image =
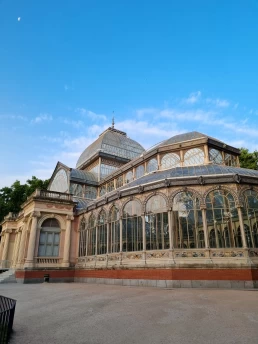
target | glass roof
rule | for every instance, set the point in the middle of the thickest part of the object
(114, 142)
(82, 176)
(185, 137)
(192, 171)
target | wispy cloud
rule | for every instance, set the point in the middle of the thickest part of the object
(90, 114)
(193, 98)
(15, 117)
(223, 103)
(44, 117)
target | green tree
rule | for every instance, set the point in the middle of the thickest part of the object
(11, 198)
(248, 159)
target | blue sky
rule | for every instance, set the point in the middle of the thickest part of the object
(163, 67)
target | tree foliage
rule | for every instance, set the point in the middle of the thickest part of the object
(11, 198)
(248, 159)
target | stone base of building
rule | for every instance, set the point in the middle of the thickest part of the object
(59, 275)
(235, 278)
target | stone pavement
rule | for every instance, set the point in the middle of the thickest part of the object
(95, 314)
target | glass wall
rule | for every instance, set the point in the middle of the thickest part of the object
(92, 236)
(129, 177)
(83, 239)
(222, 219)
(90, 192)
(215, 156)
(132, 238)
(250, 217)
(152, 165)
(194, 156)
(76, 190)
(102, 233)
(187, 220)
(114, 230)
(156, 224)
(139, 171)
(170, 160)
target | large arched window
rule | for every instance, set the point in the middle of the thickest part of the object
(91, 250)
(114, 230)
(102, 233)
(222, 217)
(132, 227)
(152, 165)
(187, 220)
(170, 160)
(250, 217)
(49, 238)
(194, 156)
(156, 224)
(83, 239)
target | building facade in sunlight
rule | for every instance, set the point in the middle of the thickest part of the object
(181, 214)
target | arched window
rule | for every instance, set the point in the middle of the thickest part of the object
(156, 224)
(152, 165)
(129, 177)
(239, 242)
(215, 156)
(114, 230)
(188, 224)
(139, 171)
(102, 233)
(91, 251)
(250, 217)
(194, 156)
(221, 214)
(170, 160)
(49, 238)
(83, 239)
(132, 227)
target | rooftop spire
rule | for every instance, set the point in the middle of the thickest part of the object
(113, 121)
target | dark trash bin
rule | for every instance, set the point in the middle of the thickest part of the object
(46, 278)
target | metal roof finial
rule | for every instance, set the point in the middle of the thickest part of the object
(113, 121)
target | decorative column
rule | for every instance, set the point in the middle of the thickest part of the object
(121, 234)
(206, 154)
(6, 244)
(22, 243)
(181, 157)
(67, 242)
(242, 228)
(159, 162)
(170, 230)
(97, 234)
(108, 236)
(17, 245)
(143, 237)
(32, 240)
(205, 228)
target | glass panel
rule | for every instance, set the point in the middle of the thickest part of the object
(139, 171)
(170, 160)
(129, 177)
(56, 238)
(76, 190)
(222, 219)
(132, 234)
(110, 186)
(42, 238)
(156, 204)
(50, 238)
(215, 156)
(194, 156)
(90, 192)
(56, 251)
(119, 182)
(132, 208)
(250, 217)
(102, 190)
(157, 233)
(48, 250)
(60, 182)
(105, 170)
(152, 165)
(230, 160)
(41, 252)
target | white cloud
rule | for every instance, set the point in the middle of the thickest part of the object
(193, 97)
(90, 114)
(19, 18)
(42, 118)
(223, 103)
(16, 117)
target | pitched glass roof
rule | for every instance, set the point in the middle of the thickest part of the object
(82, 176)
(191, 171)
(114, 142)
(186, 137)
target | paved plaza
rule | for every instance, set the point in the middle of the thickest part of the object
(95, 314)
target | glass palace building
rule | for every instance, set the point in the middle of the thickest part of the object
(181, 214)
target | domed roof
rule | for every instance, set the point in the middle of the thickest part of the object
(113, 142)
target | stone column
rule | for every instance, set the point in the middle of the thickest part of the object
(32, 240)
(206, 154)
(22, 245)
(6, 245)
(17, 245)
(67, 243)
(159, 161)
(108, 236)
(170, 230)
(242, 228)
(1, 245)
(205, 228)
(121, 234)
(181, 157)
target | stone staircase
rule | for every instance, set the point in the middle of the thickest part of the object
(8, 276)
